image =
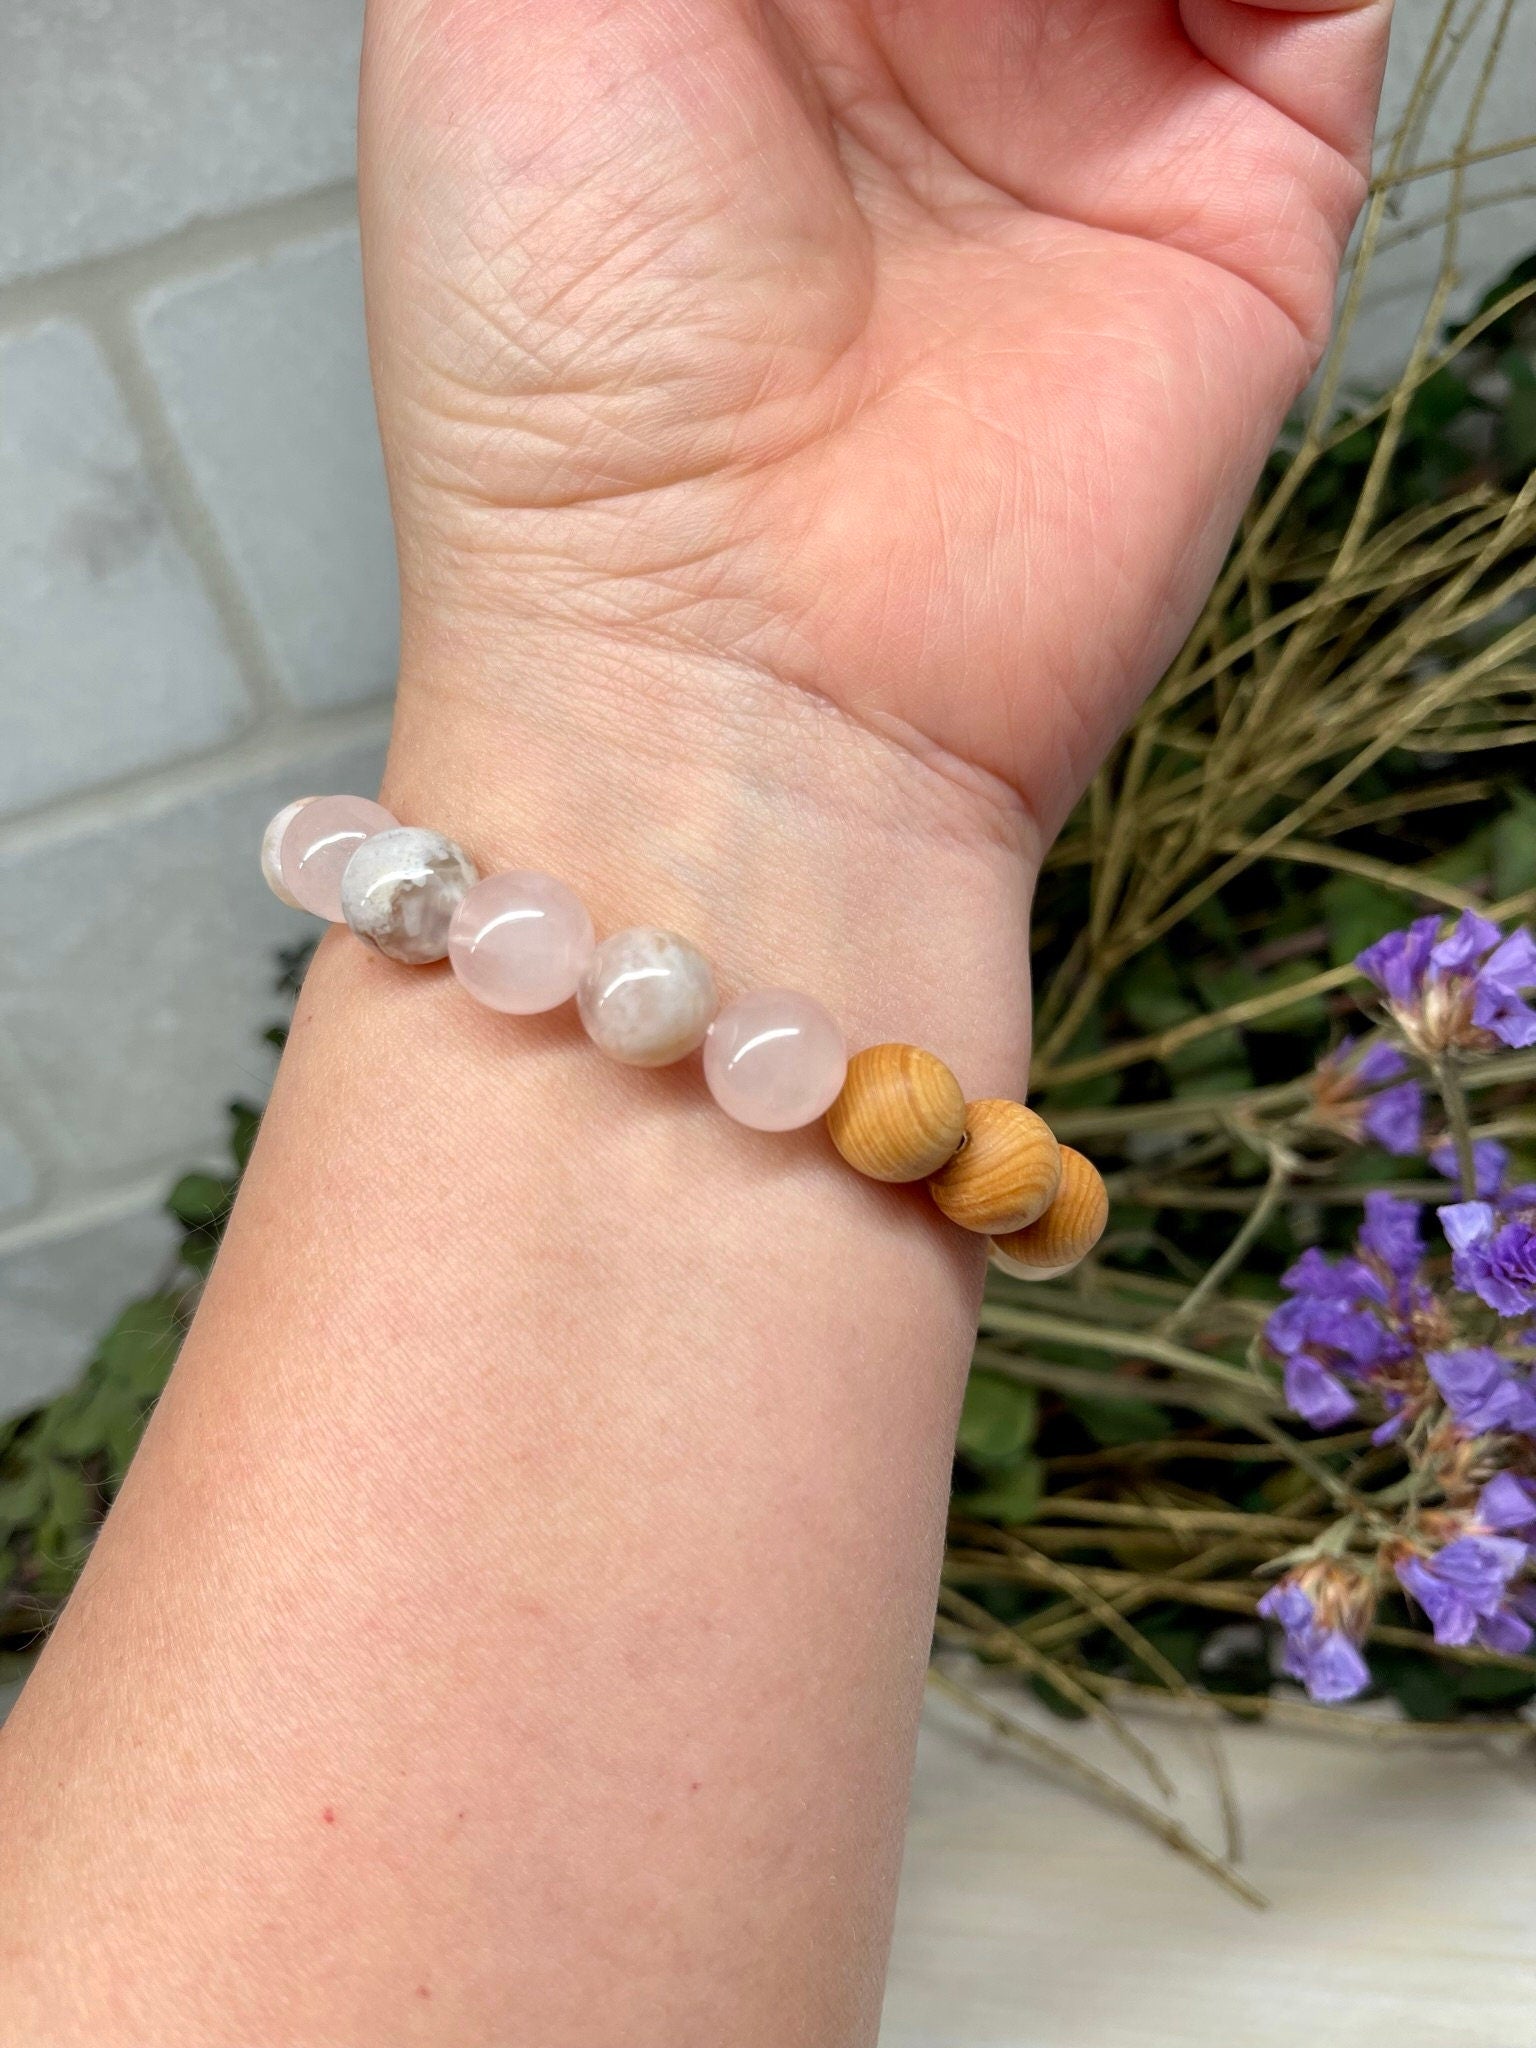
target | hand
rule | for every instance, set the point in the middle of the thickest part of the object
(919, 353)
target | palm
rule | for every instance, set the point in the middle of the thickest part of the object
(921, 351)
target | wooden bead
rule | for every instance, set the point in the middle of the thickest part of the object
(1006, 1172)
(900, 1115)
(1067, 1232)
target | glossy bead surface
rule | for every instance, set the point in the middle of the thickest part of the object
(1005, 1174)
(1069, 1229)
(318, 841)
(272, 851)
(900, 1115)
(400, 890)
(647, 997)
(520, 942)
(774, 1059)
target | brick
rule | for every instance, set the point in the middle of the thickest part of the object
(58, 1295)
(18, 1180)
(114, 657)
(264, 372)
(123, 121)
(148, 949)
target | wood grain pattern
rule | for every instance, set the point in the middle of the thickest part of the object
(900, 1115)
(1005, 1174)
(1066, 1233)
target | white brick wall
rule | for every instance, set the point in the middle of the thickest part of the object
(197, 587)
(197, 598)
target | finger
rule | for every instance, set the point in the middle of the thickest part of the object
(1106, 113)
(1319, 63)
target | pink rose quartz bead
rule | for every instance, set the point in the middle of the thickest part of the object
(521, 942)
(775, 1059)
(318, 841)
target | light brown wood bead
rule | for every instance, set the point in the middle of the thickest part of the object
(1006, 1172)
(1067, 1232)
(900, 1115)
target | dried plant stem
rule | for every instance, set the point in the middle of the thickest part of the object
(1147, 1653)
(1303, 1715)
(962, 1619)
(1230, 1596)
(1281, 1167)
(1002, 1317)
(1045, 1748)
(1453, 1098)
(1410, 881)
(1178, 1521)
(1459, 161)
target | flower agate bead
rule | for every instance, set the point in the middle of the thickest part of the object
(400, 890)
(319, 839)
(272, 851)
(521, 942)
(1005, 1174)
(1070, 1228)
(901, 1113)
(646, 997)
(774, 1059)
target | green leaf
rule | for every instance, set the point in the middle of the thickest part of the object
(22, 1497)
(998, 1418)
(1131, 1421)
(1180, 1643)
(1357, 913)
(1151, 993)
(1513, 846)
(200, 1198)
(1490, 1685)
(1425, 1690)
(138, 1349)
(70, 1500)
(244, 1123)
(1309, 1013)
(1012, 1499)
(1517, 426)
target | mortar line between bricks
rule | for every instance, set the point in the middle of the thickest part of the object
(189, 515)
(145, 1188)
(251, 233)
(256, 752)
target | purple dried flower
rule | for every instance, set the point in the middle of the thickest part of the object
(1507, 1506)
(1390, 1233)
(1505, 1631)
(1349, 1096)
(1351, 1320)
(1399, 963)
(1394, 1119)
(1493, 1259)
(1463, 1586)
(1490, 1163)
(1497, 1005)
(1465, 944)
(1313, 1322)
(1317, 1395)
(1482, 1390)
(1463, 990)
(1332, 1279)
(1318, 1651)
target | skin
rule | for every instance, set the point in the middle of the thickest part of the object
(810, 429)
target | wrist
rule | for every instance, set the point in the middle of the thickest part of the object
(790, 843)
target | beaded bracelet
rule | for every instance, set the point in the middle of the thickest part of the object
(774, 1059)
